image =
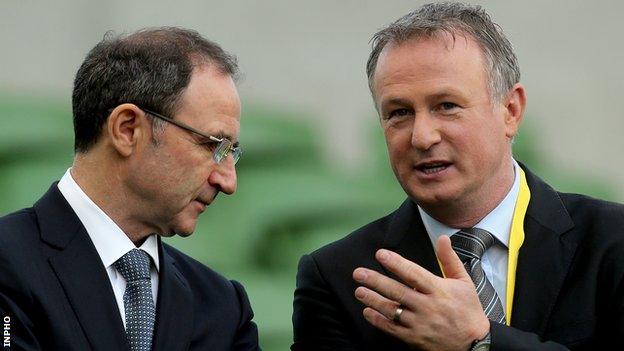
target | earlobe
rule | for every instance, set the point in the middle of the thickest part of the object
(514, 109)
(125, 127)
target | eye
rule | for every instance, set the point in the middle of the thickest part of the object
(209, 144)
(447, 106)
(400, 112)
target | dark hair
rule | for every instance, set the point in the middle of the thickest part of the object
(454, 18)
(150, 68)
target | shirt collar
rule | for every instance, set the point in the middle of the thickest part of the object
(109, 240)
(497, 222)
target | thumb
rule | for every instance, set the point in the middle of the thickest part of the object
(450, 262)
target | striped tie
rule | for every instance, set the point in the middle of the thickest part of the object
(134, 266)
(470, 244)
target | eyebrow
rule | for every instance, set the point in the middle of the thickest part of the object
(445, 93)
(396, 101)
(221, 134)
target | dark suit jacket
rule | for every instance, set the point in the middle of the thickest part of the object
(569, 281)
(57, 294)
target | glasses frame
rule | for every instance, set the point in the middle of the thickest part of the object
(224, 148)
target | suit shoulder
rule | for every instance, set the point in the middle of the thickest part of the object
(20, 255)
(215, 298)
(599, 222)
(18, 226)
(17, 219)
(586, 207)
(199, 274)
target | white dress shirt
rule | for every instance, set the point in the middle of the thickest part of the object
(110, 241)
(497, 222)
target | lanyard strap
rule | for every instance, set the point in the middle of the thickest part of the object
(516, 238)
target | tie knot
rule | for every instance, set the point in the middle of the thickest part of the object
(471, 243)
(134, 265)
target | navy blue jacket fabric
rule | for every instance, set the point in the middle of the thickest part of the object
(57, 295)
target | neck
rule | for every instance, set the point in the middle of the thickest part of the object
(100, 179)
(467, 212)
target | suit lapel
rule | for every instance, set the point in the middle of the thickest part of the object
(544, 258)
(408, 237)
(79, 269)
(174, 312)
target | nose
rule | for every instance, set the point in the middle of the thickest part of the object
(425, 132)
(223, 176)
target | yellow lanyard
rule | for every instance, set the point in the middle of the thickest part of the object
(516, 238)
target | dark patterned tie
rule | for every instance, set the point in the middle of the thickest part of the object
(134, 266)
(470, 244)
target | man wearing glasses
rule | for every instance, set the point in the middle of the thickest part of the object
(156, 121)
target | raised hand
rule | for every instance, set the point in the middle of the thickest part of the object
(436, 313)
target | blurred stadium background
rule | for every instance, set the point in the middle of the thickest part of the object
(315, 166)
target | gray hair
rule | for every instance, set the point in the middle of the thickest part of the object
(454, 18)
(150, 68)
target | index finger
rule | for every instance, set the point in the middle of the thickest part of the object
(411, 273)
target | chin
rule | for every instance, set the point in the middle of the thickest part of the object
(433, 197)
(184, 234)
(167, 235)
(183, 226)
(184, 223)
(184, 230)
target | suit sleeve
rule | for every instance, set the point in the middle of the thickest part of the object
(318, 319)
(506, 338)
(247, 334)
(16, 307)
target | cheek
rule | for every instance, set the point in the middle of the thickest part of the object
(397, 155)
(481, 154)
(178, 183)
(188, 167)
(398, 141)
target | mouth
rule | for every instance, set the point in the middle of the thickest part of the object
(432, 167)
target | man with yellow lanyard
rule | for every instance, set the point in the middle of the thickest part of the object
(483, 254)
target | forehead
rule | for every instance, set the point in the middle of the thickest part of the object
(211, 103)
(456, 60)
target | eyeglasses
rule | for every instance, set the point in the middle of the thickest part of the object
(224, 147)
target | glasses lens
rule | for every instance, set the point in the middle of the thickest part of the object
(236, 153)
(222, 150)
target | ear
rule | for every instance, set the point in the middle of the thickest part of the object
(513, 109)
(127, 127)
